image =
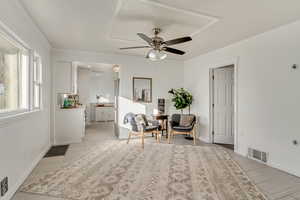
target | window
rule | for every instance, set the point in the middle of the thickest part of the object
(37, 81)
(20, 76)
(14, 73)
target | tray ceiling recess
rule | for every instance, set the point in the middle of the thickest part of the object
(141, 16)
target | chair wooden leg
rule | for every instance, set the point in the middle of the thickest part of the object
(158, 136)
(129, 136)
(194, 136)
(143, 139)
(169, 136)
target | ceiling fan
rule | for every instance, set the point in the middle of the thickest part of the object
(158, 46)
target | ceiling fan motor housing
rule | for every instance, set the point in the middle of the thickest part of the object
(159, 45)
(157, 42)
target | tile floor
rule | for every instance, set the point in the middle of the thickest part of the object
(276, 184)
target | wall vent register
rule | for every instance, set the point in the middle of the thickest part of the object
(258, 155)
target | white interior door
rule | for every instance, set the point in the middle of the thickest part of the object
(223, 105)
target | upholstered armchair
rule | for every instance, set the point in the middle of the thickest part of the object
(141, 126)
(182, 124)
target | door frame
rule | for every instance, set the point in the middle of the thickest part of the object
(116, 107)
(228, 62)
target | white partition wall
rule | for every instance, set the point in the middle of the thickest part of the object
(267, 93)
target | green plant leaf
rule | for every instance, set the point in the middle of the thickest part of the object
(181, 98)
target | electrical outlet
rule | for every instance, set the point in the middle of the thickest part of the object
(4, 186)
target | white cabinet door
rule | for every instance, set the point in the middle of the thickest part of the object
(104, 113)
(99, 114)
(63, 77)
(111, 114)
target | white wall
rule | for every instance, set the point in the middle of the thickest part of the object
(90, 85)
(102, 85)
(24, 140)
(166, 74)
(268, 93)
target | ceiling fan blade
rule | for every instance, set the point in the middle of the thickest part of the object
(172, 50)
(177, 41)
(138, 47)
(145, 37)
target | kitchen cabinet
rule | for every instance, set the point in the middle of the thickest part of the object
(62, 78)
(65, 78)
(104, 113)
(74, 78)
(69, 125)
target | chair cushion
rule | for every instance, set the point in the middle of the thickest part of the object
(186, 120)
(151, 128)
(153, 123)
(145, 119)
(183, 128)
(175, 119)
(140, 122)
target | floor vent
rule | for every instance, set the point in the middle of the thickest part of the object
(258, 155)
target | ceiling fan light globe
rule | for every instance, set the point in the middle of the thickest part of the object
(163, 55)
(155, 55)
(116, 68)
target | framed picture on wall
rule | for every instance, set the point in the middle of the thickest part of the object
(142, 89)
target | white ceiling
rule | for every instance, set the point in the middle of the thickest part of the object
(7, 47)
(106, 25)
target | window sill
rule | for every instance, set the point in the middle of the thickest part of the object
(7, 120)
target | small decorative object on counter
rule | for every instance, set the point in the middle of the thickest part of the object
(68, 101)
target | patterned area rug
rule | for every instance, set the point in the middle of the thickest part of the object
(117, 171)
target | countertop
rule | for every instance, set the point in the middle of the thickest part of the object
(104, 105)
(71, 108)
(99, 105)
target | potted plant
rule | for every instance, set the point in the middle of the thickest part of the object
(181, 99)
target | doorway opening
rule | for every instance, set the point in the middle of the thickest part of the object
(222, 104)
(98, 91)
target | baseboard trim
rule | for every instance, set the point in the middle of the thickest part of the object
(27, 172)
(206, 140)
(68, 142)
(283, 169)
(272, 165)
